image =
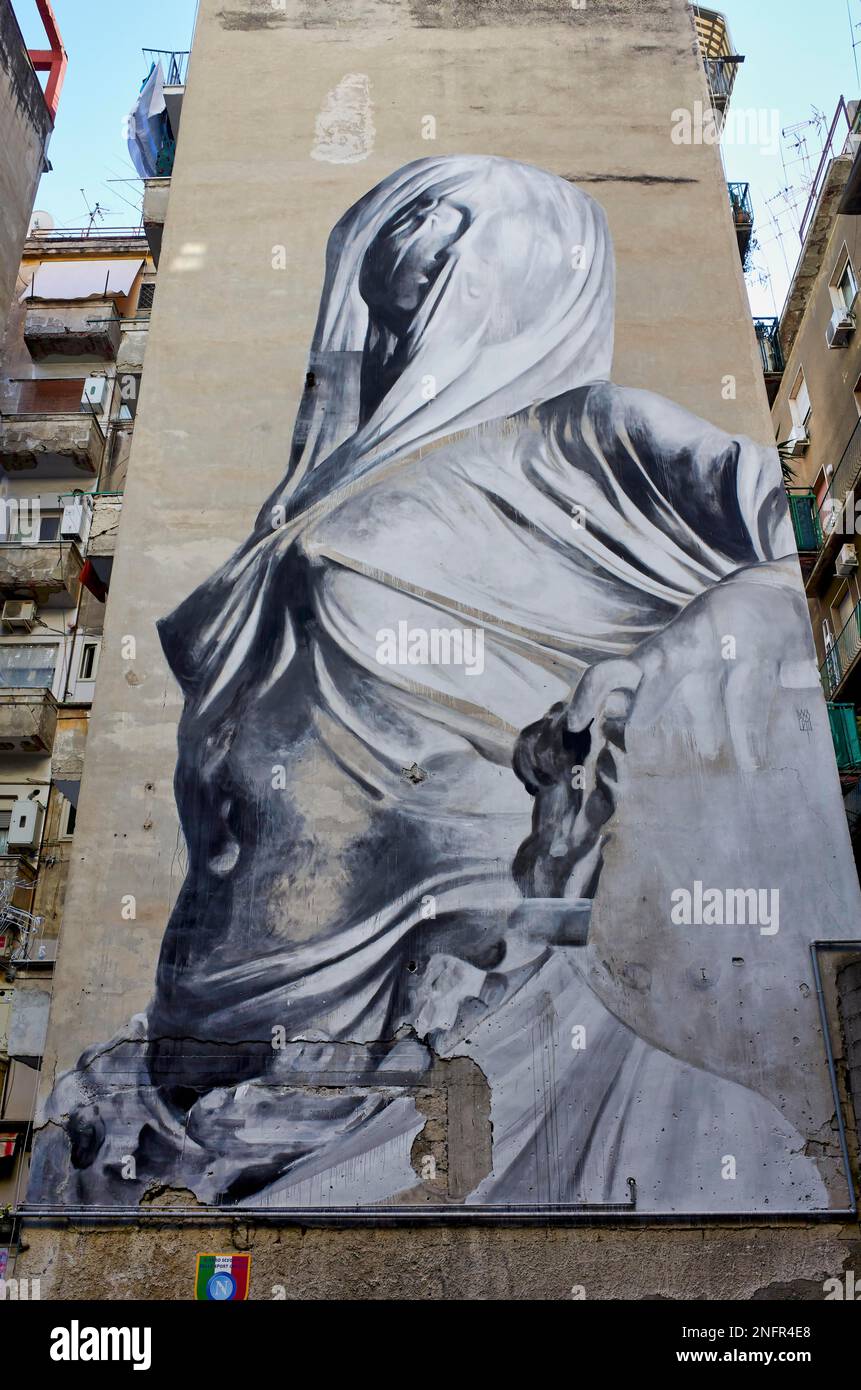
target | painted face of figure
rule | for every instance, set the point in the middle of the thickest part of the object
(406, 256)
(402, 262)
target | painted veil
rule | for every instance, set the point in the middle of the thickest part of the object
(387, 876)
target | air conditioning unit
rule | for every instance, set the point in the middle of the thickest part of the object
(25, 825)
(18, 615)
(95, 396)
(77, 518)
(798, 441)
(840, 329)
(847, 561)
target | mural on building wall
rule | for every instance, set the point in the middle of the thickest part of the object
(491, 735)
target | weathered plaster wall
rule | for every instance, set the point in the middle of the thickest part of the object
(588, 94)
(24, 129)
(756, 1263)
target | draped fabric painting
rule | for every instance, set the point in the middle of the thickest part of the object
(506, 676)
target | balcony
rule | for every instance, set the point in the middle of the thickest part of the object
(15, 869)
(844, 732)
(51, 445)
(843, 656)
(48, 572)
(174, 65)
(92, 329)
(742, 216)
(153, 138)
(720, 61)
(804, 510)
(768, 338)
(721, 75)
(28, 720)
(821, 526)
(156, 196)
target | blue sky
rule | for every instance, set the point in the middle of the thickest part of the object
(103, 39)
(799, 57)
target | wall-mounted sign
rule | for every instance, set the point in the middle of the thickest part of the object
(222, 1278)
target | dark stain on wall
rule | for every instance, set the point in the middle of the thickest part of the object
(648, 180)
(470, 14)
(442, 14)
(25, 87)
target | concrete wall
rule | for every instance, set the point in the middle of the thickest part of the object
(24, 129)
(587, 94)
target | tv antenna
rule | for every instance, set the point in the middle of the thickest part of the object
(853, 26)
(97, 212)
(796, 136)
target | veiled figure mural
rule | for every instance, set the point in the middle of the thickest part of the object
(512, 656)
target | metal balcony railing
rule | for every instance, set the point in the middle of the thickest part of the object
(804, 510)
(742, 207)
(844, 732)
(174, 64)
(721, 74)
(844, 480)
(768, 337)
(836, 144)
(843, 654)
(90, 233)
(742, 215)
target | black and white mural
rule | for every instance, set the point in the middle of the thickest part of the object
(496, 731)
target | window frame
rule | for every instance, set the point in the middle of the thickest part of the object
(843, 265)
(800, 386)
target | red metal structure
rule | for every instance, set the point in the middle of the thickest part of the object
(52, 60)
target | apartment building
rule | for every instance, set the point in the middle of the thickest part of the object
(340, 983)
(70, 373)
(27, 115)
(813, 361)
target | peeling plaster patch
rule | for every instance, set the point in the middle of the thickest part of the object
(457, 1136)
(262, 15)
(344, 129)
(162, 1195)
(414, 774)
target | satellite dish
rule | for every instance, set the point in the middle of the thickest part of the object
(41, 222)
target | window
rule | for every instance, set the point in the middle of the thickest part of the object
(83, 669)
(67, 821)
(50, 395)
(147, 295)
(844, 285)
(24, 523)
(28, 665)
(799, 401)
(844, 608)
(5, 822)
(89, 661)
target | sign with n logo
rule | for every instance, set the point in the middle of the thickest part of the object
(222, 1278)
